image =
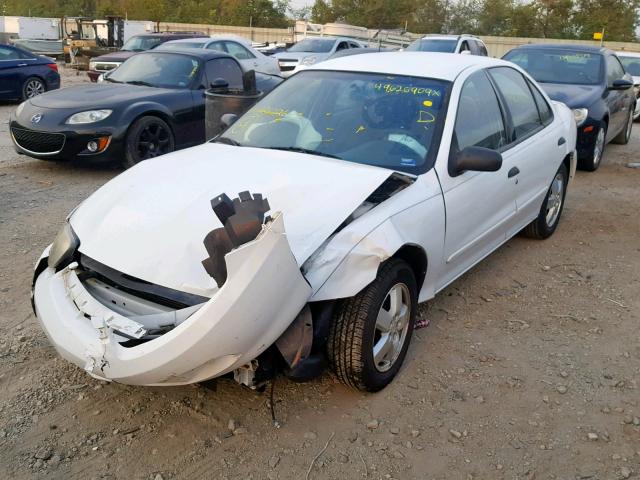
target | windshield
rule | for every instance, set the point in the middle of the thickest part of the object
(163, 70)
(559, 66)
(140, 44)
(631, 65)
(432, 45)
(374, 119)
(183, 45)
(313, 45)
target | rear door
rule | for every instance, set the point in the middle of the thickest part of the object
(535, 151)
(480, 206)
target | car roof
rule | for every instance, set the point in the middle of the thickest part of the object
(179, 35)
(201, 53)
(213, 38)
(624, 53)
(443, 66)
(564, 46)
(438, 36)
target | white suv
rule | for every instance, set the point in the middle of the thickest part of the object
(466, 44)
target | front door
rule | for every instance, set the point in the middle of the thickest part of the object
(480, 206)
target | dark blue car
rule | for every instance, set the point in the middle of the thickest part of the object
(24, 75)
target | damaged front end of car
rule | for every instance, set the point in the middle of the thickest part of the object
(122, 329)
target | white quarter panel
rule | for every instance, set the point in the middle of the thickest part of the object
(350, 260)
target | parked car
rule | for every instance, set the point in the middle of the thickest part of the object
(631, 63)
(250, 58)
(24, 74)
(135, 44)
(592, 82)
(371, 167)
(151, 105)
(465, 44)
(311, 51)
(347, 53)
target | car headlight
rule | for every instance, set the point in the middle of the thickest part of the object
(308, 60)
(580, 114)
(90, 116)
(20, 108)
(92, 65)
(63, 248)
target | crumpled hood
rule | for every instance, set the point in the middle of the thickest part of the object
(574, 96)
(100, 95)
(150, 221)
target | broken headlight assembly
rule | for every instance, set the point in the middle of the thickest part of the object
(63, 248)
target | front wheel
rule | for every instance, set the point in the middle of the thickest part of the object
(549, 216)
(592, 161)
(147, 138)
(371, 332)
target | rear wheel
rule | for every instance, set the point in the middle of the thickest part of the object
(592, 161)
(549, 217)
(371, 332)
(147, 138)
(625, 135)
(32, 87)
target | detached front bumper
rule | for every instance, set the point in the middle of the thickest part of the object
(262, 295)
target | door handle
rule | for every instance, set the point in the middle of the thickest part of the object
(513, 172)
(561, 141)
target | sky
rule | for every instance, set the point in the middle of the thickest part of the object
(301, 3)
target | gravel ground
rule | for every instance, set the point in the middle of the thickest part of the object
(528, 370)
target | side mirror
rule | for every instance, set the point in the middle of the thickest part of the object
(476, 159)
(465, 52)
(228, 119)
(621, 84)
(219, 85)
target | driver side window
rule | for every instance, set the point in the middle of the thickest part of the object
(225, 68)
(342, 46)
(479, 121)
(614, 69)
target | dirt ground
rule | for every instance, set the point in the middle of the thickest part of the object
(530, 368)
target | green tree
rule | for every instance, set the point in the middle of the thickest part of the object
(321, 12)
(462, 16)
(619, 18)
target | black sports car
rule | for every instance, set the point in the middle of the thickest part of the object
(152, 104)
(592, 82)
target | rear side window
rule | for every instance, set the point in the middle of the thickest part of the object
(520, 103)
(482, 49)
(10, 54)
(227, 69)
(217, 46)
(546, 115)
(353, 45)
(238, 51)
(479, 120)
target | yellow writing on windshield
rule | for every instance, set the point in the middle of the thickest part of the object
(404, 89)
(427, 103)
(426, 117)
(273, 113)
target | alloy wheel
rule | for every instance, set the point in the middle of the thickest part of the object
(598, 147)
(555, 199)
(33, 88)
(154, 140)
(392, 325)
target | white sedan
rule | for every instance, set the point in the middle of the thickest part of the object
(364, 186)
(311, 51)
(249, 57)
(631, 62)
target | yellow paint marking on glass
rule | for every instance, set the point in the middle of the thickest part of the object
(427, 103)
(360, 129)
(426, 117)
(273, 113)
(327, 140)
(328, 114)
(328, 129)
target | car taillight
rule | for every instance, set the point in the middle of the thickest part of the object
(53, 66)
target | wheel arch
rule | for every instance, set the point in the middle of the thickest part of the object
(154, 112)
(416, 258)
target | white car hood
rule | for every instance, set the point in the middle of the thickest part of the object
(301, 55)
(150, 221)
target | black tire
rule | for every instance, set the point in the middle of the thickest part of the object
(148, 137)
(542, 227)
(625, 135)
(592, 162)
(32, 87)
(353, 332)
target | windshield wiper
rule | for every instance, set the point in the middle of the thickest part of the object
(227, 140)
(304, 150)
(142, 83)
(107, 79)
